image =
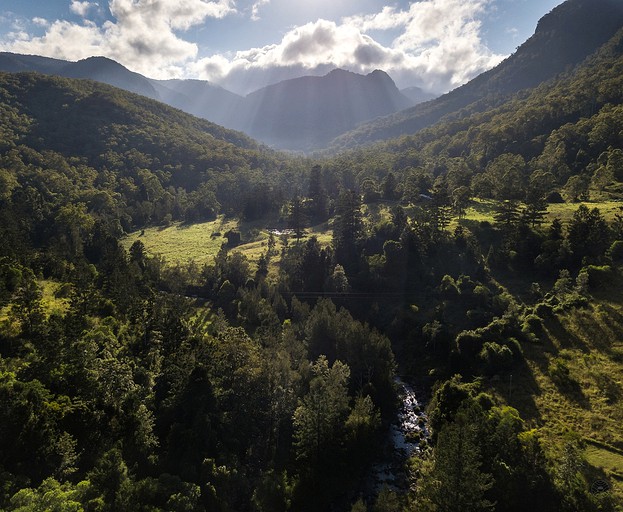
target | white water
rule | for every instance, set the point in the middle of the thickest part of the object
(410, 426)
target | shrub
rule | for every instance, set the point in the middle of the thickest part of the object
(559, 372)
(543, 309)
(469, 343)
(532, 323)
(599, 276)
(616, 251)
(496, 358)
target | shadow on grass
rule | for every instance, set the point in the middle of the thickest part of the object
(571, 389)
(522, 394)
(555, 330)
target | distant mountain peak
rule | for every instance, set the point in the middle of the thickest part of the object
(563, 39)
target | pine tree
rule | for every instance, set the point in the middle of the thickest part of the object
(456, 482)
(347, 230)
(318, 195)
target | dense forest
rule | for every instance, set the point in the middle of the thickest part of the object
(128, 382)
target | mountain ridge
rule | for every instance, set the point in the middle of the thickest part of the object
(563, 38)
(277, 114)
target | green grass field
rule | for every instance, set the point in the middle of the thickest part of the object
(180, 243)
(608, 460)
(483, 210)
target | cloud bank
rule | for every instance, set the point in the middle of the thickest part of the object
(436, 43)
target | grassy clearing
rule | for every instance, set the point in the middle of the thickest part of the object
(180, 243)
(49, 301)
(483, 210)
(565, 211)
(608, 460)
(589, 402)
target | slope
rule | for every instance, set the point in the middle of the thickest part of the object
(563, 38)
(307, 112)
(202, 99)
(151, 161)
(563, 128)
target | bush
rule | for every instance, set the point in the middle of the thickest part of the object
(554, 197)
(496, 358)
(469, 343)
(616, 251)
(543, 309)
(599, 276)
(532, 323)
(559, 372)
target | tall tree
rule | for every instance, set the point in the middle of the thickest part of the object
(318, 195)
(296, 216)
(456, 481)
(347, 230)
(588, 234)
(319, 420)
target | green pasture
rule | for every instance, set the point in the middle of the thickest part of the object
(484, 209)
(182, 243)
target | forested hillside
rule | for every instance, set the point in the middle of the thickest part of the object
(563, 38)
(480, 259)
(564, 136)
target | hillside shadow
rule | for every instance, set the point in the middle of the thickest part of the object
(555, 330)
(521, 392)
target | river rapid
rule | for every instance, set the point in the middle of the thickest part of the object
(408, 436)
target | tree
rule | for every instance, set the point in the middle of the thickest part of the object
(390, 187)
(506, 214)
(318, 195)
(460, 200)
(576, 188)
(442, 204)
(506, 174)
(456, 482)
(370, 191)
(535, 211)
(321, 414)
(347, 230)
(296, 216)
(588, 234)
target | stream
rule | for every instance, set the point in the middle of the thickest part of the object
(407, 436)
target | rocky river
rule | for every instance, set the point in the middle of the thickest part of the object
(408, 435)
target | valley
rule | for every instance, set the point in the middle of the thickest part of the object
(413, 308)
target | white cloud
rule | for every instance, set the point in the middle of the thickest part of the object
(437, 43)
(438, 47)
(312, 48)
(255, 8)
(40, 22)
(143, 36)
(81, 8)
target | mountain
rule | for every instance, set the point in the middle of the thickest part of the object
(563, 38)
(418, 95)
(299, 114)
(202, 99)
(305, 113)
(15, 63)
(100, 69)
(112, 73)
(563, 136)
(135, 158)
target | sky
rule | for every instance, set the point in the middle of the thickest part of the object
(244, 45)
